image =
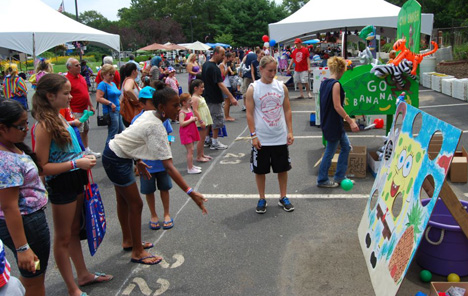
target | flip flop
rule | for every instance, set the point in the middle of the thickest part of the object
(154, 225)
(168, 224)
(204, 160)
(141, 260)
(97, 276)
(128, 249)
(208, 157)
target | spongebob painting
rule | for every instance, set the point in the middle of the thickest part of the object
(389, 235)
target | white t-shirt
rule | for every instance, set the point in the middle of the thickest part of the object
(146, 138)
(270, 123)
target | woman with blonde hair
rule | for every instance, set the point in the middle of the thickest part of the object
(332, 114)
(108, 95)
(193, 68)
(14, 87)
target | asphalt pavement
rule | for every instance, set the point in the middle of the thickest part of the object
(234, 251)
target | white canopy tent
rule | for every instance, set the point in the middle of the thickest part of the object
(331, 15)
(36, 27)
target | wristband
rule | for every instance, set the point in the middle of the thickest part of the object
(253, 137)
(74, 164)
(189, 190)
(23, 248)
(346, 116)
(253, 134)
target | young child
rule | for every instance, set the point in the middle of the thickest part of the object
(65, 166)
(171, 80)
(201, 111)
(188, 131)
(157, 171)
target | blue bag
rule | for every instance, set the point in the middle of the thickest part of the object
(95, 215)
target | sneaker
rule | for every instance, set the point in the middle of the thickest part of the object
(91, 152)
(243, 108)
(218, 146)
(261, 206)
(328, 184)
(193, 171)
(197, 167)
(207, 143)
(286, 204)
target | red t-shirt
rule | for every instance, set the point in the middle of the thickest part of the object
(79, 92)
(116, 78)
(301, 59)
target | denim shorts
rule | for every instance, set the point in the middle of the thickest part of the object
(38, 237)
(119, 170)
(149, 186)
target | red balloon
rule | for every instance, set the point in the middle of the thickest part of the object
(379, 123)
(265, 38)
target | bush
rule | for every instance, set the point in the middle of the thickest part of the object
(460, 52)
(142, 58)
(387, 47)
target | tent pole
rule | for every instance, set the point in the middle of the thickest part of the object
(34, 53)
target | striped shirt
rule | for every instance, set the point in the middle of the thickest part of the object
(14, 86)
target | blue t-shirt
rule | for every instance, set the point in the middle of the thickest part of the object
(111, 93)
(156, 165)
(330, 121)
(248, 61)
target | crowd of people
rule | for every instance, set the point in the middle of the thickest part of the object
(139, 105)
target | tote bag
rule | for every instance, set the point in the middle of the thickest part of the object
(95, 216)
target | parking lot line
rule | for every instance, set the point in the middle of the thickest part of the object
(298, 196)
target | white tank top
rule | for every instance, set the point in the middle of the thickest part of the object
(270, 123)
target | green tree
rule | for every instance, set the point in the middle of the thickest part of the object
(225, 38)
(94, 19)
(293, 5)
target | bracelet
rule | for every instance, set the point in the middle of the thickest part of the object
(71, 164)
(253, 137)
(346, 116)
(23, 248)
(253, 134)
(189, 190)
(74, 164)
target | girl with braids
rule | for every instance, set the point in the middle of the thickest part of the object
(65, 167)
(146, 138)
(23, 197)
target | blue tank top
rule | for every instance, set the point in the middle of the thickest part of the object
(71, 152)
(330, 121)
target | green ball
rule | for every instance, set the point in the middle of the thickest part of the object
(347, 184)
(425, 275)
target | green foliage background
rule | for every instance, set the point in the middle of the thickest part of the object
(239, 23)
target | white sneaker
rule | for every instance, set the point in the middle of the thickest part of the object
(197, 167)
(243, 108)
(91, 152)
(218, 146)
(193, 171)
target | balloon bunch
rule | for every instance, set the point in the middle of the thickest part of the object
(268, 42)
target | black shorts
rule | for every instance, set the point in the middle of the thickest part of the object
(275, 156)
(66, 187)
(38, 237)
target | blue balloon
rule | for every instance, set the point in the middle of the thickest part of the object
(272, 42)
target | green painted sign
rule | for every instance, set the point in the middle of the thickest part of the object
(368, 94)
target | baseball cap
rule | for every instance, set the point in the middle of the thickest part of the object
(298, 40)
(146, 92)
(4, 267)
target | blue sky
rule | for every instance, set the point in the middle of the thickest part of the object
(107, 8)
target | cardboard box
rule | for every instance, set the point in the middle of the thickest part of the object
(373, 162)
(437, 287)
(357, 163)
(459, 168)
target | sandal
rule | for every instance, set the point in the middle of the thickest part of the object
(99, 277)
(154, 225)
(142, 260)
(146, 245)
(168, 224)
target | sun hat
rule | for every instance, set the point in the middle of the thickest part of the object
(298, 40)
(146, 92)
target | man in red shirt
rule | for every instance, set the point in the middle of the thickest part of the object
(80, 99)
(301, 59)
